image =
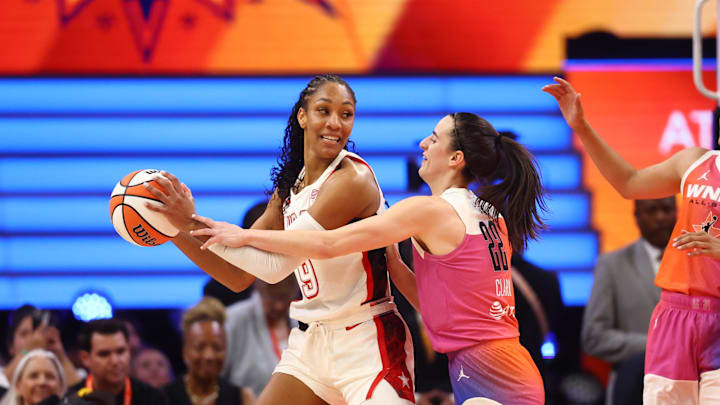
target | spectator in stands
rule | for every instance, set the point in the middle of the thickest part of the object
(31, 328)
(38, 378)
(152, 367)
(204, 348)
(258, 330)
(105, 352)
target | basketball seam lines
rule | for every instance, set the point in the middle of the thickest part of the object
(139, 196)
(130, 179)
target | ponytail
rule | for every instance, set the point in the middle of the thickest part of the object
(508, 176)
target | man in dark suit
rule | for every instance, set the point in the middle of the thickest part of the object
(622, 300)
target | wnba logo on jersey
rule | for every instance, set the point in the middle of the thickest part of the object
(703, 191)
(497, 311)
(708, 226)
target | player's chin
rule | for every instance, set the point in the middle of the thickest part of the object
(330, 151)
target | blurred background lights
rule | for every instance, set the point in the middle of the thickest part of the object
(91, 305)
(548, 348)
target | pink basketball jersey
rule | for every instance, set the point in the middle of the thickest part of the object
(699, 211)
(467, 296)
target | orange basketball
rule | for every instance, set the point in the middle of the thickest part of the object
(131, 219)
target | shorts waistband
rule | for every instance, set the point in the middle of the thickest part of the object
(366, 314)
(693, 302)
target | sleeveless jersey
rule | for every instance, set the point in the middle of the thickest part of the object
(699, 211)
(467, 295)
(339, 286)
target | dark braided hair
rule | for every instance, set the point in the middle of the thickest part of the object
(292, 160)
(507, 173)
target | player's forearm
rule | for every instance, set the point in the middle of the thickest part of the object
(303, 243)
(230, 276)
(404, 280)
(616, 170)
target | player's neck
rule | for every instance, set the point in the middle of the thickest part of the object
(439, 185)
(314, 168)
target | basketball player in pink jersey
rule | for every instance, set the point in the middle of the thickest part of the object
(351, 345)
(682, 358)
(462, 246)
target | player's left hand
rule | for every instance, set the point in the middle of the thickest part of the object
(698, 244)
(220, 232)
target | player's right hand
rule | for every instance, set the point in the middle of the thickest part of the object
(178, 204)
(569, 102)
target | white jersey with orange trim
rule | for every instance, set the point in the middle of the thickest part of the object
(340, 286)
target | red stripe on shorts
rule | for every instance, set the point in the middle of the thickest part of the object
(391, 343)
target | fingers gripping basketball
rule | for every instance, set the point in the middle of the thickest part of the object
(132, 220)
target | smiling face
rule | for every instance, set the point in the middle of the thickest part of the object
(438, 150)
(327, 118)
(204, 350)
(39, 380)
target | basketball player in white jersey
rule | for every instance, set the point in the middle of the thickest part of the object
(351, 346)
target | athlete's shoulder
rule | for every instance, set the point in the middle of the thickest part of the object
(352, 174)
(350, 191)
(430, 206)
(356, 165)
(686, 157)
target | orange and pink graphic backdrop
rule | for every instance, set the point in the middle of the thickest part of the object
(307, 36)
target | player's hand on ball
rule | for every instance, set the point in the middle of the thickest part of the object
(220, 232)
(698, 244)
(178, 203)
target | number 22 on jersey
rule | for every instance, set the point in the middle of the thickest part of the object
(495, 245)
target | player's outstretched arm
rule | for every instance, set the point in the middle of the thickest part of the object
(410, 217)
(660, 180)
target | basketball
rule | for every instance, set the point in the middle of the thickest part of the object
(131, 219)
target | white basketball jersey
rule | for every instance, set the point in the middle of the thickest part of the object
(336, 287)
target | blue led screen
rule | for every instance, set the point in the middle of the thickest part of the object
(65, 142)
